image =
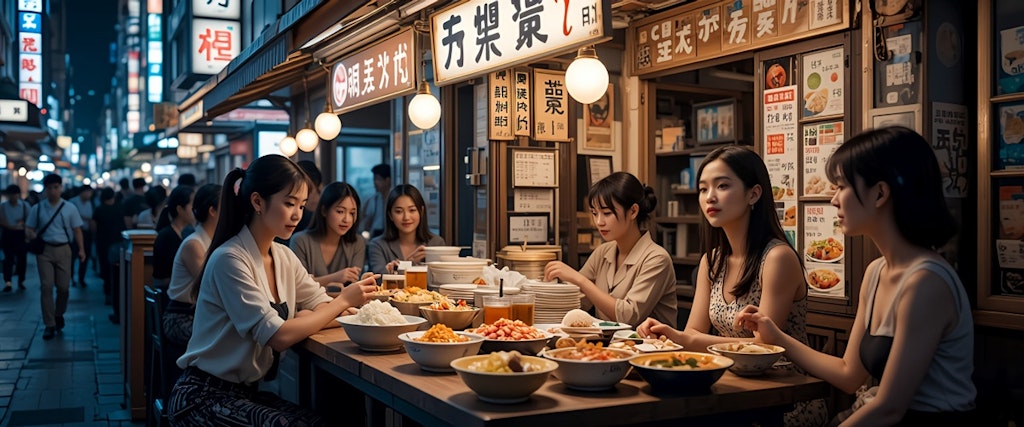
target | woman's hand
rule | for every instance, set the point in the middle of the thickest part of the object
(765, 330)
(392, 266)
(653, 329)
(559, 270)
(366, 274)
(348, 275)
(419, 254)
(356, 294)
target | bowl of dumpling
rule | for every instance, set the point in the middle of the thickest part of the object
(750, 358)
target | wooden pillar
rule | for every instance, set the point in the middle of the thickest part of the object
(136, 272)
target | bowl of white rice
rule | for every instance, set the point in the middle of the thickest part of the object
(377, 326)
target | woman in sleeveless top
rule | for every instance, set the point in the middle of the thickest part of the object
(746, 262)
(913, 331)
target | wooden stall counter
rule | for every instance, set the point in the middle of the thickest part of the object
(136, 272)
(395, 381)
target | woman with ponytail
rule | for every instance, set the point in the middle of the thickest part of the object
(628, 278)
(174, 220)
(253, 301)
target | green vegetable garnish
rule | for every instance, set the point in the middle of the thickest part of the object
(691, 361)
(634, 335)
(608, 324)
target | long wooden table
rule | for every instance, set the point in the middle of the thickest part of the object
(395, 381)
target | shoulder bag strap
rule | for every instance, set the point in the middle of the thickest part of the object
(41, 230)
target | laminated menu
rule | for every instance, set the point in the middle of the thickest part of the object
(1011, 212)
(1011, 133)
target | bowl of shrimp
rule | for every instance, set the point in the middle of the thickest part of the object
(511, 335)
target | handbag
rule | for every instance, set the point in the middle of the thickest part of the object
(37, 245)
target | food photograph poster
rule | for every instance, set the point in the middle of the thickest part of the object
(820, 141)
(824, 251)
(823, 83)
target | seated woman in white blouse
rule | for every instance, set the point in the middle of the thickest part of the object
(331, 248)
(254, 301)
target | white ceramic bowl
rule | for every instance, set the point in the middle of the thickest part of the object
(500, 387)
(434, 253)
(746, 362)
(593, 375)
(437, 357)
(445, 272)
(377, 337)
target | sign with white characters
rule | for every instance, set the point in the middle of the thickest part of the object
(214, 44)
(375, 73)
(704, 30)
(30, 43)
(220, 9)
(475, 37)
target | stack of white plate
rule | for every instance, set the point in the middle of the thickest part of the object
(552, 300)
(459, 291)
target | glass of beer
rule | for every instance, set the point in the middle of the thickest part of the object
(416, 276)
(496, 307)
(523, 307)
(393, 281)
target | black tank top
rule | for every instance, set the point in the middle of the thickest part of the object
(874, 349)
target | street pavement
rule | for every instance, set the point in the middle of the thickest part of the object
(74, 379)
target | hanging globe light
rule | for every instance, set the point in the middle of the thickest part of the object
(307, 140)
(288, 146)
(586, 79)
(327, 125)
(424, 109)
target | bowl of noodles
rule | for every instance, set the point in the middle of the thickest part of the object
(749, 358)
(680, 371)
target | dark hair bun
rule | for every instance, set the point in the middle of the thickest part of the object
(649, 201)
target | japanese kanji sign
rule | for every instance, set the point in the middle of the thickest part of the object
(214, 44)
(30, 58)
(550, 106)
(220, 9)
(500, 106)
(380, 71)
(479, 36)
(522, 112)
(704, 31)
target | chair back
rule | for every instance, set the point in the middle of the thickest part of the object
(158, 382)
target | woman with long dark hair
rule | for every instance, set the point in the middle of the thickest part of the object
(253, 301)
(913, 332)
(188, 265)
(406, 234)
(176, 216)
(629, 277)
(747, 261)
(332, 249)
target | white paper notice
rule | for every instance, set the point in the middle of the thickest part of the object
(533, 200)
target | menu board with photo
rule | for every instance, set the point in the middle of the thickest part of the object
(824, 251)
(781, 153)
(823, 83)
(1011, 60)
(820, 141)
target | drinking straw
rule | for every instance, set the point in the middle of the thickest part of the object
(501, 287)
